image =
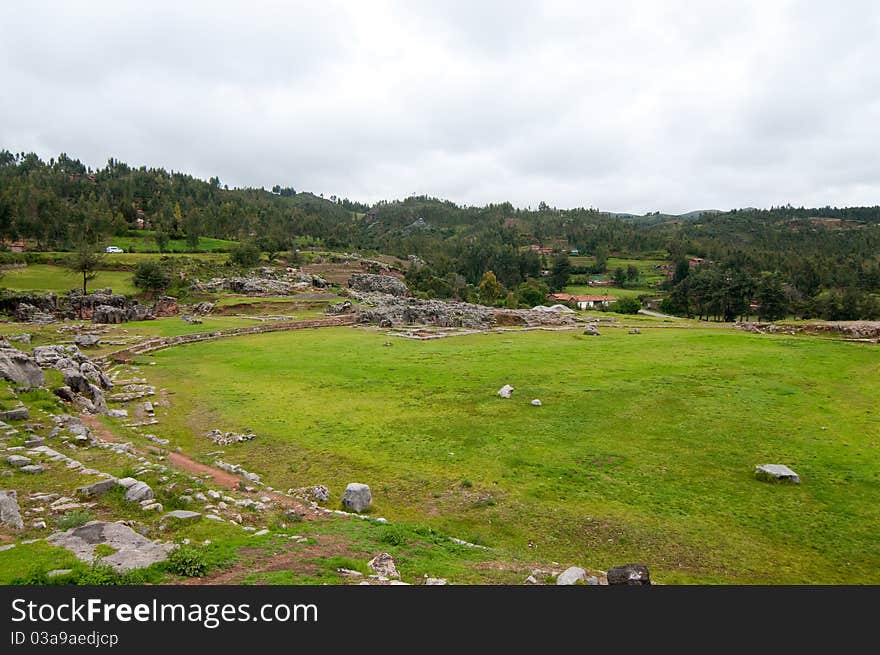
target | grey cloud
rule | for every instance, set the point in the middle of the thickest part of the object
(631, 106)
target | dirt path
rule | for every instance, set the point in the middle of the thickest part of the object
(184, 462)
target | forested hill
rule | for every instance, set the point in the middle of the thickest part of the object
(54, 204)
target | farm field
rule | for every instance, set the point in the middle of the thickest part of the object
(46, 277)
(644, 448)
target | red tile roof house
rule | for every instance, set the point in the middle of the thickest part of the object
(583, 302)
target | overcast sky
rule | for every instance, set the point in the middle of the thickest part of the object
(624, 106)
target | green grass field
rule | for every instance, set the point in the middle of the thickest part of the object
(45, 277)
(644, 448)
(605, 291)
(646, 268)
(145, 241)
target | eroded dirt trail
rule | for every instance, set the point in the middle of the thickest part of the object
(184, 462)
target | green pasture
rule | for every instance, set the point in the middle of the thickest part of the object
(46, 277)
(643, 449)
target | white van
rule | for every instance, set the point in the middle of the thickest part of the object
(113, 249)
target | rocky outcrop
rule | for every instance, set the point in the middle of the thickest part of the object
(130, 549)
(868, 330)
(340, 308)
(166, 306)
(19, 367)
(391, 311)
(369, 283)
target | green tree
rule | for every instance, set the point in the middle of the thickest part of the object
(770, 296)
(245, 254)
(619, 276)
(626, 306)
(162, 239)
(560, 272)
(87, 258)
(532, 292)
(490, 289)
(632, 274)
(151, 277)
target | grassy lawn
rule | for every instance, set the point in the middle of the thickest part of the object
(145, 241)
(45, 277)
(643, 450)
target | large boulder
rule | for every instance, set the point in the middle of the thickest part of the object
(20, 368)
(131, 550)
(629, 574)
(138, 492)
(96, 375)
(571, 575)
(776, 473)
(10, 514)
(86, 340)
(357, 497)
(369, 283)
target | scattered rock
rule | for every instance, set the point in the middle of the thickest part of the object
(39, 525)
(536, 402)
(776, 473)
(629, 574)
(383, 565)
(18, 460)
(32, 469)
(132, 550)
(57, 573)
(20, 338)
(635, 331)
(435, 581)
(591, 330)
(571, 575)
(17, 414)
(96, 488)
(34, 442)
(188, 318)
(506, 391)
(320, 493)
(10, 514)
(228, 438)
(357, 497)
(138, 492)
(117, 413)
(182, 516)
